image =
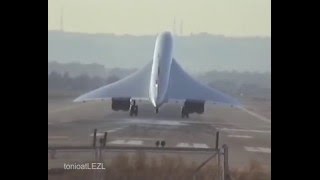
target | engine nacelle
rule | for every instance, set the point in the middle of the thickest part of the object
(193, 106)
(120, 104)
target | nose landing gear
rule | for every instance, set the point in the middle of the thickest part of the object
(133, 108)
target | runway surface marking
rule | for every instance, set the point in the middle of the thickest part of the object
(244, 130)
(154, 122)
(139, 142)
(240, 136)
(183, 145)
(256, 115)
(117, 142)
(195, 145)
(58, 137)
(135, 142)
(98, 134)
(66, 108)
(130, 142)
(258, 149)
(115, 129)
(142, 138)
(109, 131)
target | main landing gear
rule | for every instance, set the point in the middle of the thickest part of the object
(133, 108)
(184, 112)
(157, 110)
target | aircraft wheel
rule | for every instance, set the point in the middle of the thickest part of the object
(183, 113)
(136, 110)
(162, 143)
(157, 143)
(132, 111)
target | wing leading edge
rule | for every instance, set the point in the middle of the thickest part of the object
(182, 86)
(135, 86)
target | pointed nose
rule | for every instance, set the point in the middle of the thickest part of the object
(154, 103)
(157, 101)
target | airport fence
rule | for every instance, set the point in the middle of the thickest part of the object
(217, 153)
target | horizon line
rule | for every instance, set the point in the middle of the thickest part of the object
(127, 68)
(154, 34)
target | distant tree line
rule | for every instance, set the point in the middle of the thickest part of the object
(242, 89)
(199, 52)
(83, 82)
(262, 80)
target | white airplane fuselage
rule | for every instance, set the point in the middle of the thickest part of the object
(160, 81)
(160, 72)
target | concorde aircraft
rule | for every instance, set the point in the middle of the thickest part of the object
(161, 81)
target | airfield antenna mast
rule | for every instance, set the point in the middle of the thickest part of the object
(61, 19)
(181, 28)
(174, 26)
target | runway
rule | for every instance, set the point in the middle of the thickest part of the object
(246, 134)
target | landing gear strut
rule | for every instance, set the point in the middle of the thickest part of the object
(133, 108)
(184, 112)
(157, 110)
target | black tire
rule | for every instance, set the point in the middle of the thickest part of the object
(136, 110)
(163, 144)
(183, 113)
(131, 111)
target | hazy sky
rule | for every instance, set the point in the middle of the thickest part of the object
(226, 17)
